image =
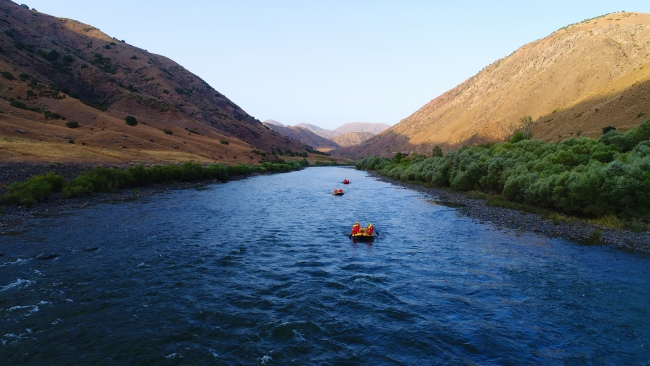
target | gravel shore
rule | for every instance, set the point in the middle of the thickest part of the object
(528, 222)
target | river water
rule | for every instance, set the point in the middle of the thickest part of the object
(261, 271)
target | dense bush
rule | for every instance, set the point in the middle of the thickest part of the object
(29, 192)
(7, 75)
(580, 176)
(131, 121)
(167, 132)
(72, 124)
(20, 105)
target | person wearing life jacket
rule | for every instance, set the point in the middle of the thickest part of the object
(340, 191)
(370, 230)
(355, 228)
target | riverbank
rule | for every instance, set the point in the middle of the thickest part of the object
(17, 172)
(500, 217)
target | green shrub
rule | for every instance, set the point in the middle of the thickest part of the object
(33, 190)
(24, 76)
(167, 132)
(52, 115)
(131, 121)
(7, 75)
(608, 128)
(20, 105)
(224, 142)
(72, 124)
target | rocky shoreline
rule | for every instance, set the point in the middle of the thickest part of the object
(503, 218)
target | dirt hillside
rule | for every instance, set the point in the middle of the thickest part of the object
(352, 138)
(57, 70)
(576, 81)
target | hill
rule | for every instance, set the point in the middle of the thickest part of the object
(57, 70)
(373, 128)
(576, 81)
(328, 134)
(303, 135)
(352, 138)
(273, 122)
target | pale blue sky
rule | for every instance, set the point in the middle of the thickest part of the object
(332, 62)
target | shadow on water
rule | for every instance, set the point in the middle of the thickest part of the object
(262, 270)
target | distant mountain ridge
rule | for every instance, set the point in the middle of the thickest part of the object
(575, 82)
(302, 135)
(373, 128)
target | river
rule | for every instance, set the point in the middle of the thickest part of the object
(261, 271)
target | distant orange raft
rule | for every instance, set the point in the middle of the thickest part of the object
(338, 192)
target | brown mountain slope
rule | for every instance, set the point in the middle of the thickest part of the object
(578, 80)
(322, 132)
(304, 136)
(76, 71)
(373, 128)
(352, 138)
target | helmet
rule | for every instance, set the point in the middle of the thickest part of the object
(369, 224)
(356, 223)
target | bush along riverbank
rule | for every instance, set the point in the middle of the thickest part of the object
(604, 181)
(109, 180)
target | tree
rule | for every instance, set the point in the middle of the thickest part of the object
(437, 151)
(131, 121)
(527, 127)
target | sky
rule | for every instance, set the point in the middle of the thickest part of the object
(332, 62)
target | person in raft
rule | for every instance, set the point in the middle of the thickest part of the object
(370, 230)
(355, 228)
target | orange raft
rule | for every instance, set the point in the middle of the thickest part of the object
(337, 192)
(363, 235)
(345, 181)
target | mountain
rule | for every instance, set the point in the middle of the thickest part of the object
(328, 134)
(352, 138)
(303, 135)
(55, 68)
(373, 128)
(578, 80)
(273, 122)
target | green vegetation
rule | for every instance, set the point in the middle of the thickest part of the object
(51, 115)
(20, 105)
(167, 132)
(104, 63)
(224, 142)
(100, 179)
(72, 124)
(7, 75)
(131, 121)
(33, 190)
(577, 176)
(95, 105)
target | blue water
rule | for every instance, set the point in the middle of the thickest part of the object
(261, 271)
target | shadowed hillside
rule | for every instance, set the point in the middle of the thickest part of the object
(576, 81)
(302, 135)
(57, 70)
